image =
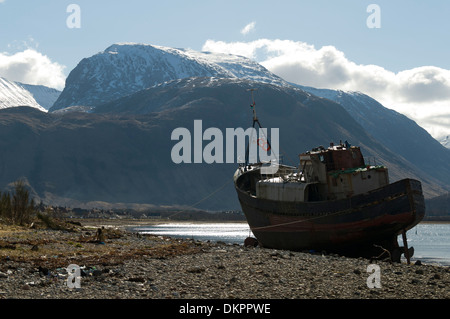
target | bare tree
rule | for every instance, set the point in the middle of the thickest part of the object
(18, 208)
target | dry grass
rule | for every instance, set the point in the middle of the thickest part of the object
(56, 248)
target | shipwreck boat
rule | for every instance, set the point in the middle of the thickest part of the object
(333, 201)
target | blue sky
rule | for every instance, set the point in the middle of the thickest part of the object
(413, 34)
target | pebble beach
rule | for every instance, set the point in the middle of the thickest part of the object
(126, 265)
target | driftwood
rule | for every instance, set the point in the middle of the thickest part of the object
(385, 253)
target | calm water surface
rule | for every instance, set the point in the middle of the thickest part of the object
(431, 241)
(234, 233)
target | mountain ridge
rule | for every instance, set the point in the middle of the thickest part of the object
(122, 69)
(108, 136)
(44, 95)
(158, 99)
(14, 94)
(114, 157)
(126, 158)
(393, 129)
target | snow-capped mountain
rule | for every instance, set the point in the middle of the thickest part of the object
(123, 69)
(362, 108)
(134, 96)
(14, 94)
(378, 120)
(394, 130)
(445, 140)
(44, 96)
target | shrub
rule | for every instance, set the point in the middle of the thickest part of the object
(18, 208)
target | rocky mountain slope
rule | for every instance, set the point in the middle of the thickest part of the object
(114, 156)
(397, 132)
(438, 208)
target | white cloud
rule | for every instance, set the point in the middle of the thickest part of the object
(22, 45)
(32, 67)
(422, 93)
(248, 28)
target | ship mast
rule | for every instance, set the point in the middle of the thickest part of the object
(253, 106)
(255, 121)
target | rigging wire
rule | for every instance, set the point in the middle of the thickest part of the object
(206, 197)
(256, 120)
(297, 221)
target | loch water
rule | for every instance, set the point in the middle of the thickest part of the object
(431, 241)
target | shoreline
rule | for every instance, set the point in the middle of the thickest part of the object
(426, 259)
(128, 265)
(139, 222)
(435, 222)
(130, 224)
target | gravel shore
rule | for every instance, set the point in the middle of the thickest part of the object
(34, 262)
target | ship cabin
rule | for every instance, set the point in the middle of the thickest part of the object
(340, 171)
(332, 173)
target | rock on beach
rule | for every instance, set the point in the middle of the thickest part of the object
(131, 266)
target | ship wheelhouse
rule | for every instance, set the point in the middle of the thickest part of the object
(332, 173)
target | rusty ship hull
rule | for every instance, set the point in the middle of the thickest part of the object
(358, 225)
